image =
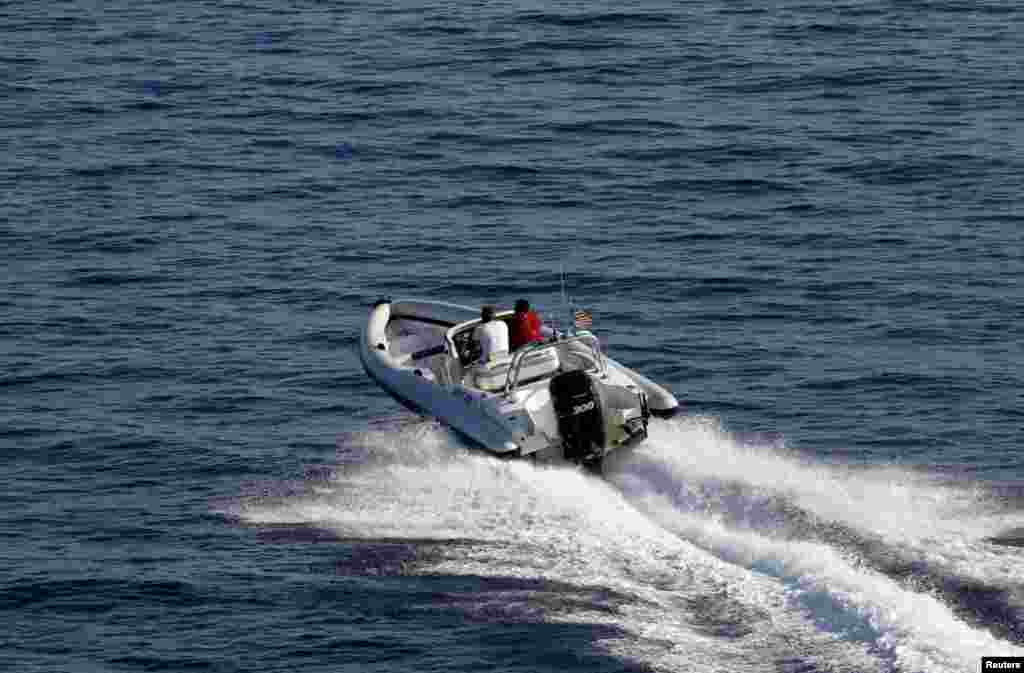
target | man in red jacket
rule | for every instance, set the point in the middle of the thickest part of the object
(524, 327)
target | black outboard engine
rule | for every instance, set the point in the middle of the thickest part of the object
(580, 414)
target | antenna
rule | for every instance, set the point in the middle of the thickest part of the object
(568, 308)
(565, 300)
(561, 274)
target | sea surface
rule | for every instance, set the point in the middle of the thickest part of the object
(805, 218)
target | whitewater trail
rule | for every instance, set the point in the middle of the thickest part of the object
(845, 541)
(699, 548)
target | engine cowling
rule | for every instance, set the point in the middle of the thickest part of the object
(578, 406)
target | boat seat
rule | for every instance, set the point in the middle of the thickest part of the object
(491, 375)
(538, 365)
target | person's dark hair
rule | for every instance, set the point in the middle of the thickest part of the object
(487, 313)
(522, 306)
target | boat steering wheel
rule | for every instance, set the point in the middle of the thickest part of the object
(467, 347)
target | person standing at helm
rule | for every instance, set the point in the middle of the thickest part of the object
(526, 327)
(492, 335)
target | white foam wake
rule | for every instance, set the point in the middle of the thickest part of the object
(692, 585)
(915, 513)
(919, 518)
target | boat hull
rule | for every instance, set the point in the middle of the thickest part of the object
(489, 419)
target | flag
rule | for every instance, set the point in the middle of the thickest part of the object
(584, 320)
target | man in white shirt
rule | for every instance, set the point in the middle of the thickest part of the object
(492, 334)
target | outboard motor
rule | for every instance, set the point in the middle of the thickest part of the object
(580, 414)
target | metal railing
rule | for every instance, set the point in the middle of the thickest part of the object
(582, 351)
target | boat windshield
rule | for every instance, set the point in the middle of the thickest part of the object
(537, 361)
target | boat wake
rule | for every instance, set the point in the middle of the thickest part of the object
(898, 559)
(696, 548)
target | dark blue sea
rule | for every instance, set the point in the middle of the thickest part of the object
(805, 218)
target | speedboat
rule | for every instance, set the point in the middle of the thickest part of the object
(559, 401)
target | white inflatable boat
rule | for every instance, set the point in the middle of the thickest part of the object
(558, 401)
